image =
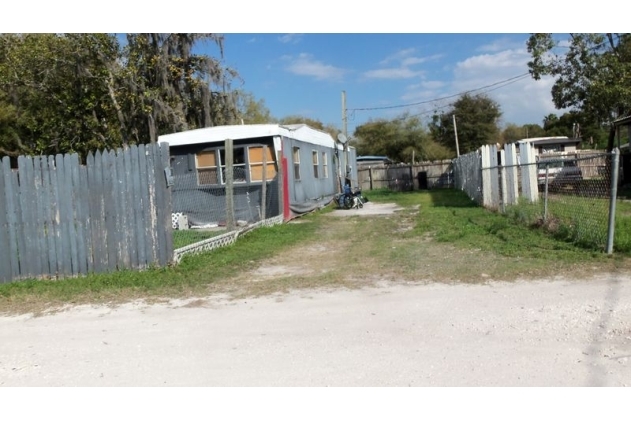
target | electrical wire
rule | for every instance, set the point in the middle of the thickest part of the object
(511, 80)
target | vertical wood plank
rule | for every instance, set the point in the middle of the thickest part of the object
(80, 216)
(142, 218)
(64, 215)
(6, 274)
(85, 193)
(55, 215)
(99, 236)
(19, 224)
(11, 204)
(133, 207)
(110, 212)
(486, 177)
(151, 240)
(44, 218)
(159, 183)
(115, 209)
(493, 173)
(121, 209)
(130, 161)
(30, 259)
(165, 226)
(69, 163)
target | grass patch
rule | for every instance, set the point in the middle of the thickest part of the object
(439, 235)
(186, 237)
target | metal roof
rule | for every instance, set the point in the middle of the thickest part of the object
(622, 121)
(217, 134)
(550, 140)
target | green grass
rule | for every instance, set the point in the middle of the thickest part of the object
(186, 237)
(194, 274)
(439, 235)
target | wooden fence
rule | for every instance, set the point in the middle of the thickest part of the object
(405, 177)
(59, 218)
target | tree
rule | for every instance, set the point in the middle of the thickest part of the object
(593, 75)
(400, 139)
(251, 110)
(64, 93)
(53, 89)
(476, 123)
(169, 88)
(577, 124)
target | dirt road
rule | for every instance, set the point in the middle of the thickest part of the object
(547, 333)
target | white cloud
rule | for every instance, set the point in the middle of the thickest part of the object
(405, 59)
(392, 73)
(306, 65)
(500, 45)
(290, 38)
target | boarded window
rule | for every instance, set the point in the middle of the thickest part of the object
(296, 156)
(206, 163)
(325, 166)
(314, 158)
(255, 158)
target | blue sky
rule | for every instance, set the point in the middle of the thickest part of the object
(384, 74)
(299, 57)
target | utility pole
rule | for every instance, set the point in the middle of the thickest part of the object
(456, 133)
(344, 117)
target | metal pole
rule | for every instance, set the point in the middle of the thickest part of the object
(344, 117)
(545, 197)
(264, 186)
(612, 201)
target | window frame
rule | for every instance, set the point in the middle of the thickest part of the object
(315, 160)
(296, 161)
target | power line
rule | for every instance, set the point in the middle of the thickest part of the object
(511, 80)
(434, 109)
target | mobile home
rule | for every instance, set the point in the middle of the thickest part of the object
(313, 166)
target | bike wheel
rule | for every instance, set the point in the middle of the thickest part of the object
(348, 202)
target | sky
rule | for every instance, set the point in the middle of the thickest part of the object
(389, 58)
(386, 75)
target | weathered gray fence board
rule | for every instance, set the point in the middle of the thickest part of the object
(60, 218)
(29, 213)
(152, 252)
(69, 162)
(84, 193)
(99, 236)
(495, 185)
(44, 212)
(5, 242)
(80, 216)
(142, 195)
(55, 229)
(166, 207)
(159, 204)
(64, 209)
(109, 211)
(131, 202)
(9, 203)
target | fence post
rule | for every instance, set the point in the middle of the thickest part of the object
(528, 172)
(486, 176)
(229, 185)
(612, 200)
(264, 186)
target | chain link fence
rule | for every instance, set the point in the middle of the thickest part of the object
(208, 215)
(571, 195)
(573, 198)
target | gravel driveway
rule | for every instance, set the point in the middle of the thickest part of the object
(546, 333)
